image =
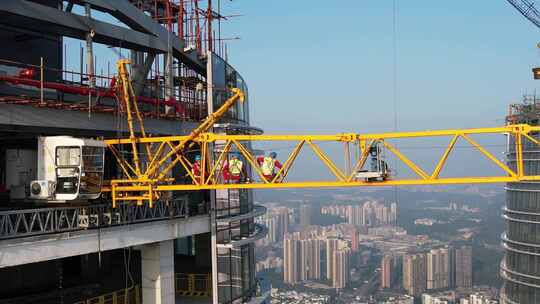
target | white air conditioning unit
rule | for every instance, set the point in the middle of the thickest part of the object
(42, 189)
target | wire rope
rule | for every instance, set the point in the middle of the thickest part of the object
(394, 80)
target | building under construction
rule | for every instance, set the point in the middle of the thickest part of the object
(57, 78)
(117, 119)
(519, 267)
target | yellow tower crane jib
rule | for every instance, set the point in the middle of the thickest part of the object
(125, 188)
(145, 182)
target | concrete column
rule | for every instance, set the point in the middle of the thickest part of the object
(213, 244)
(157, 261)
(213, 221)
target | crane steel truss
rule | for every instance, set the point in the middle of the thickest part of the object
(158, 161)
(147, 178)
(528, 10)
(142, 188)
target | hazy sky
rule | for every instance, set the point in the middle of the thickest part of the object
(326, 66)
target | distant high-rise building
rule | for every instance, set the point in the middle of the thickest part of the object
(350, 215)
(358, 210)
(386, 271)
(452, 268)
(331, 246)
(341, 263)
(414, 273)
(277, 221)
(283, 222)
(301, 258)
(385, 215)
(304, 259)
(463, 267)
(353, 213)
(393, 213)
(369, 213)
(291, 255)
(305, 215)
(354, 240)
(271, 224)
(438, 268)
(310, 259)
(316, 260)
(338, 256)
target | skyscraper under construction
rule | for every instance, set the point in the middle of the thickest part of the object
(521, 240)
(57, 84)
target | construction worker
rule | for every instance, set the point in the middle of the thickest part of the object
(233, 169)
(196, 168)
(197, 200)
(268, 165)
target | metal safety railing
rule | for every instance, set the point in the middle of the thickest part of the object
(32, 222)
(130, 295)
(193, 284)
(186, 284)
(74, 87)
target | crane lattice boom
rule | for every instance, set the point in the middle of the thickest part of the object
(141, 188)
(148, 176)
(527, 9)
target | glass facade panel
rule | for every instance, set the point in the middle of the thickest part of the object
(225, 77)
(236, 265)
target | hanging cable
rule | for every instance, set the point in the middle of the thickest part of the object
(394, 63)
(394, 81)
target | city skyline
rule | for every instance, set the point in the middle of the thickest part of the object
(317, 254)
(197, 151)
